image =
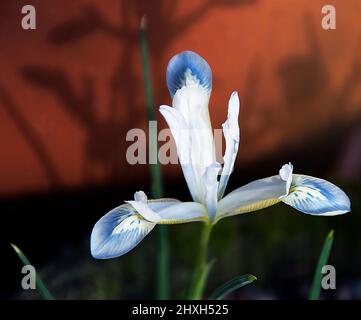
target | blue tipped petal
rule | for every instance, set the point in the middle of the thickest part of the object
(122, 228)
(186, 68)
(316, 197)
(118, 232)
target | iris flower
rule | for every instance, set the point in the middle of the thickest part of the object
(189, 80)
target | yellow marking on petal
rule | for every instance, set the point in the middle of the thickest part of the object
(177, 221)
(249, 208)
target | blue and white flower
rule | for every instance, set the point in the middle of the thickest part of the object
(189, 80)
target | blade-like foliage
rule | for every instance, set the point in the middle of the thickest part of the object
(231, 286)
(317, 278)
(40, 286)
(156, 176)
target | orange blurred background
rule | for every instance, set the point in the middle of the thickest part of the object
(70, 90)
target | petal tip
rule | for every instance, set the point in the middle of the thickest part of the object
(140, 196)
(316, 196)
(286, 174)
(233, 105)
(188, 67)
(234, 95)
(286, 171)
(118, 232)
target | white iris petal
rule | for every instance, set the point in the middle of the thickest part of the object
(286, 175)
(189, 80)
(253, 196)
(181, 136)
(231, 134)
(210, 180)
(192, 102)
(176, 212)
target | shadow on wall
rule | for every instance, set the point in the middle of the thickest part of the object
(103, 146)
(30, 137)
(303, 78)
(307, 92)
(305, 83)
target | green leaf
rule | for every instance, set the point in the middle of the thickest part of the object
(231, 286)
(43, 290)
(155, 172)
(317, 278)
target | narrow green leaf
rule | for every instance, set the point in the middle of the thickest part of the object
(155, 172)
(43, 290)
(317, 278)
(231, 286)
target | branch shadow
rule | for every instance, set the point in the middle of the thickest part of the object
(102, 136)
(31, 137)
(103, 146)
(304, 80)
(303, 77)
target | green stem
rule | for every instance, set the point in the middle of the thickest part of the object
(202, 267)
(156, 178)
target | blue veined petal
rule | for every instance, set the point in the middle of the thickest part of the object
(316, 197)
(118, 232)
(121, 229)
(186, 68)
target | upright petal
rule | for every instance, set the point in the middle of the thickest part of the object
(189, 81)
(192, 103)
(187, 68)
(316, 196)
(231, 134)
(211, 182)
(181, 136)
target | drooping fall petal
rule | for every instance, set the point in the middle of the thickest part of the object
(316, 196)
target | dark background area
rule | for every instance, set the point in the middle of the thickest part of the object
(70, 91)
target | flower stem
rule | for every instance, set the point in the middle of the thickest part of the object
(202, 267)
(156, 177)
